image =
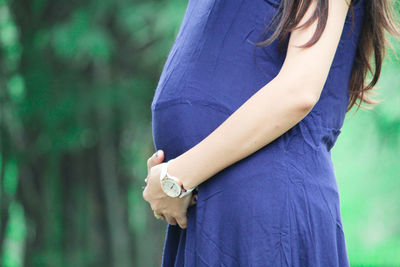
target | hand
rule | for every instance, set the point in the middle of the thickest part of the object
(172, 209)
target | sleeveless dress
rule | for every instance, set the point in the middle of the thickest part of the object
(280, 205)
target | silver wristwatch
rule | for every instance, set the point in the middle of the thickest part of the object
(171, 185)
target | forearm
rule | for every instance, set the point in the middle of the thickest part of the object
(265, 116)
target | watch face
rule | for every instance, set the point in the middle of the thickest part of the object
(171, 188)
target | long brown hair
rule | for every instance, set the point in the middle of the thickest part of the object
(378, 18)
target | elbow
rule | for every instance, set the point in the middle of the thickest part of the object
(304, 100)
(307, 101)
(305, 90)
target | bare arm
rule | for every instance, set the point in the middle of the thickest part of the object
(274, 109)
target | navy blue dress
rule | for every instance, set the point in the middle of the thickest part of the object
(280, 205)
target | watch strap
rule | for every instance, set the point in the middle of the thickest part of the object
(185, 193)
(163, 171)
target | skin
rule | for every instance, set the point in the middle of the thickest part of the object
(269, 113)
(159, 201)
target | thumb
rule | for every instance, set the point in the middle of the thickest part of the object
(155, 159)
(159, 155)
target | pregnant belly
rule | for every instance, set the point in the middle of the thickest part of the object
(180, 124)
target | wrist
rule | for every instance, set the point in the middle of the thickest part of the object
(175, 169)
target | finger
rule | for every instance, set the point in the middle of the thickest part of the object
(155, 159)
(145, 194)
(182, 221)
(171, 220)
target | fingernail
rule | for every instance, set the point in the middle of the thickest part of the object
(157, 153)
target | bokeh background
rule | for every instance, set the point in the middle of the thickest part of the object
(76, 83)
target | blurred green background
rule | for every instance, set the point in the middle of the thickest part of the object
(76, 83)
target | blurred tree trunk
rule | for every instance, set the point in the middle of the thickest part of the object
(120, 245)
